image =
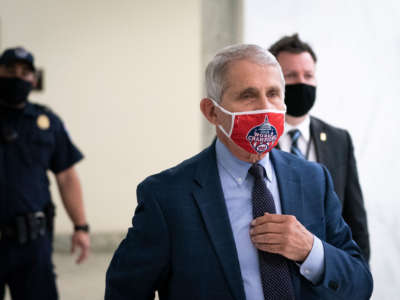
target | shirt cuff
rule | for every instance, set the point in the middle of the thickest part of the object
(313, 267)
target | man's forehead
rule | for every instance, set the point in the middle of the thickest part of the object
(250, 67)
(246, 76)
(289, 60)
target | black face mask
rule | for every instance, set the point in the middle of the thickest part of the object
(14, 91)
(299, 98)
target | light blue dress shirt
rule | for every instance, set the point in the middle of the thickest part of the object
(237, 186)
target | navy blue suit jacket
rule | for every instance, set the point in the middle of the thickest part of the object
(181, 242)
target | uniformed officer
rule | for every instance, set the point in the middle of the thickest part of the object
(33, 140)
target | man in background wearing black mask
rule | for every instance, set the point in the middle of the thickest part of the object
(33, 140)
(315, 140)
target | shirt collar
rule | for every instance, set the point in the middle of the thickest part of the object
(237, 168)
(303, 127)
(27, 110)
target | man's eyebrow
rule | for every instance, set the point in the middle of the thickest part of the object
(275, 88)
(248, 90)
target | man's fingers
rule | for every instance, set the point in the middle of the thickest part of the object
(271, 223)
(82, 241)
(271, 218)
(266, 228)
(83, 256)
(269, 238)
(80, 258)
(273, 248)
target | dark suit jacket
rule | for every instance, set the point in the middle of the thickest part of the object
(181, 242)
(337, 154)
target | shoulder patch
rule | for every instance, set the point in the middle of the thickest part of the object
(43, 122)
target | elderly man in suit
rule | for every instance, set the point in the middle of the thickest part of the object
(240, 220)
(312, 139)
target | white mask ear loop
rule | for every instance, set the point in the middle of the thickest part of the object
(228, 113)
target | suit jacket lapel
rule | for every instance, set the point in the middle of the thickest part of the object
(210, 199)
(316, 130)
(289, 184)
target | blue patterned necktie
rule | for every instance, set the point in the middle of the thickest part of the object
(295, 135)
(274, 269)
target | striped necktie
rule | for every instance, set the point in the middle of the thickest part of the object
(295, 135)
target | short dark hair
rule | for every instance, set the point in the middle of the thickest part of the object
(292, 44)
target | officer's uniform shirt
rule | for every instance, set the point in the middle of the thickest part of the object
(42, 144)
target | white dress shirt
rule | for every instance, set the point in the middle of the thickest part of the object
(304, 140)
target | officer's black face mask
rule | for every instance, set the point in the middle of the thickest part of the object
(299, 98)
(14, 91)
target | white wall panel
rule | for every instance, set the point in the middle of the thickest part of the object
(125, 77)
(358, 72)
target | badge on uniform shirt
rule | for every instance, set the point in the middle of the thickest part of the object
(43, 122)
(322, 136)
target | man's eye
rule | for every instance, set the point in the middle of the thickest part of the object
(272, 94)
(309, 76)
(247, 96)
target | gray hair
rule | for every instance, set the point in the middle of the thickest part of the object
(217, 68)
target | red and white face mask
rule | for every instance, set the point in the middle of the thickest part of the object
(256, 131)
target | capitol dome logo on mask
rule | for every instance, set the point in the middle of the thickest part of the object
(262, 137)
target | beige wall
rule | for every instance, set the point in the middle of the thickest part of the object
(126, 78)
(221, 23)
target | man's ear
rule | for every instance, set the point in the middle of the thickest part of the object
(35, 80)
(207, 107)
(34, 83)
